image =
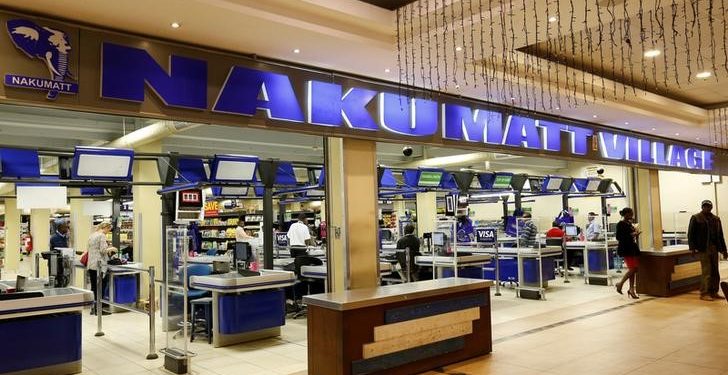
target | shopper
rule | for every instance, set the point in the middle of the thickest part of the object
(465, 230)
(240, 234)
(593, 228)
(705, 236)
(410, 243)
(299, 236)
(556, 231)
(60, 238)
(628, 249)
(99, 253)
(529, 231)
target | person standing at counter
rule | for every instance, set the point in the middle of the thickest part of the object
(240, 234)
(99, 253)
(465, 231)
(529, 231)
(410, 243)
(60, 238)
(299, 236)
(628, 249)
(593, 228)
(705, 236)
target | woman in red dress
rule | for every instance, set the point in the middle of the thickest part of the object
(628, 248)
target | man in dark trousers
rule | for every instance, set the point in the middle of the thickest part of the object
(705, 235)
(412, 243)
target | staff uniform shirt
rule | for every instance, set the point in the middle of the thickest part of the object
(97, 245)
(58, 240)
(593, 230)
(298, 234)
(465, 230)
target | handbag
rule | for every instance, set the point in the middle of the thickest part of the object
(84, 259)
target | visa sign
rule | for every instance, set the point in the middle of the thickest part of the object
(486, 235)
(127, 71)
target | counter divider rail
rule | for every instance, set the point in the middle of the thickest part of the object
(151, 313)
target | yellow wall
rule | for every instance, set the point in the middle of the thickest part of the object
(40, 230)
(12, 237)
(147, 214)
(684, 192)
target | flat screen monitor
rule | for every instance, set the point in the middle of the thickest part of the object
(604, 185)
(592, 185)
(429, 178)
(243, 252)
(438, 239)
(566, 184)
(502, 181)
(553, 183)
(571, 231)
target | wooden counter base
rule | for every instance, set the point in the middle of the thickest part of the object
(667, 273)
(412, 334)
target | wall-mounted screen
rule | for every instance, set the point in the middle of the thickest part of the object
(502, 181)
(429, 178)
(592, 185)
(553, 183)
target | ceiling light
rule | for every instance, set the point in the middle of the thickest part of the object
(595, 116)
(653, 129)
(458, 49)
(626, 123)
(677, 134)
(386, 70)
(652, 53)
(296, 50)
(457, 86)
(697, 138)
(175, 25)
(558, 108)
(704, 75)
(513, 99)
(553, 19)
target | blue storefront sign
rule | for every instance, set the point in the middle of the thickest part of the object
(188, 84)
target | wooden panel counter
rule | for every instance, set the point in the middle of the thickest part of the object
(398, 329)
(667, 272)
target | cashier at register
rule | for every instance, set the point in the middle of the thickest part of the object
(299, 236)
(60, 238)
(527, 234)
(465, 230)
(593, 229)
(411, 242)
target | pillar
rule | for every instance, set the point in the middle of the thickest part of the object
(81, 229)
(12, 237)
(40, 229)
(426, 212)
(647, 207)
(351, 184)
(148, 229)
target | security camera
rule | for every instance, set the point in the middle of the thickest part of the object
(600, 171)
(407, 151)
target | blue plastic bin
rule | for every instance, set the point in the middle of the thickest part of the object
(246, 312)
(597, 261)
(467, 272)
(125, 289)
(530, 270)
(508, 270)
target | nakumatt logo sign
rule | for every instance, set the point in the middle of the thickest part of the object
(49, 46)
(127, 71)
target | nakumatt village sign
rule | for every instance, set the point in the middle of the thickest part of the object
(126, 75)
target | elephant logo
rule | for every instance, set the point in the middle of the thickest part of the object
(48, 45)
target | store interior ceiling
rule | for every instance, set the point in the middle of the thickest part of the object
(360, 38)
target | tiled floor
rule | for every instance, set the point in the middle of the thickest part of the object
(580, 329)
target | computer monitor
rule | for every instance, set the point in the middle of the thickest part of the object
(570, 230)
(438, 239)
(243, 252)
(20, 283)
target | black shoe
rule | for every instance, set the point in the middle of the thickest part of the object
(104, 312)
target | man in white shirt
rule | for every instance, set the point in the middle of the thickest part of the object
(298, 236)
(593, 229)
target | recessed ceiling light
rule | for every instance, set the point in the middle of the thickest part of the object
(386, 70)
(457, 86)
(652, 53)
(697, 138)
(458, 49)
(553, 19)
(595, 116)
(653, 129)
(704, 75)
(626, 123)
(513, 99)
(677, 134)
(296, 50)
(558, 108)
(175, 25)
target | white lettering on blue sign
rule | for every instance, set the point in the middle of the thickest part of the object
(127, 71)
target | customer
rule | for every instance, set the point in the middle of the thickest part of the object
(705, 236)
(556, 231)
(593, 228)
(527, 234)
(299, 236)
(60, 238)
(628, 249)
(240, 234)
(99, 253)
(410, 242)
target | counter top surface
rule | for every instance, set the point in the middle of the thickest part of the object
(365, 297)
(668, 251)
(52, 300)
(234, 282)
(591, 244)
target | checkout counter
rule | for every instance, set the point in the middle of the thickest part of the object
(40, 328)
(598, 259)
(667, 272)
(245, 308)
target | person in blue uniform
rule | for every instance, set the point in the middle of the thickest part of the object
(465, 230)
(60, 238)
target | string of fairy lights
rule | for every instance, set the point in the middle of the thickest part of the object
(550, 54)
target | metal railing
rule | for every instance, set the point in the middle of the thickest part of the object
(151, 313)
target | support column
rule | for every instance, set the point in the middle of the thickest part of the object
(12, 237)
(426, 212)
(147, 213)
(352, 196)
(81, 229)
(647, 207)
(40, 229)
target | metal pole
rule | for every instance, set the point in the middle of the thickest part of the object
(497, 270)
(152, 327)
(407, 260)
(267, 228)
(99, 293)
(37, 265)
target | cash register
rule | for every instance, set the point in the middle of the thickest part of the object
(60, 266)
(242, 257)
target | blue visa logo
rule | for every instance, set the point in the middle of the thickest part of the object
(49, 47)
